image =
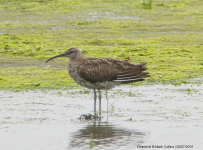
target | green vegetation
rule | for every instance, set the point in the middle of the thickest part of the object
(168, 36)
(147, 4)
(91, 143)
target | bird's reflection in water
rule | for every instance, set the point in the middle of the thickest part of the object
(101, 135)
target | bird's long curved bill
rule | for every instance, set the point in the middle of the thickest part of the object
(61, 55)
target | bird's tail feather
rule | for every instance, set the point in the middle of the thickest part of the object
(132, 75)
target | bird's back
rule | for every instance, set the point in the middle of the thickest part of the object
(100, 70)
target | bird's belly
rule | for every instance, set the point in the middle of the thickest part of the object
(96, 85)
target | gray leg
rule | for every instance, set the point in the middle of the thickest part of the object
(99, 102)
(95, 98)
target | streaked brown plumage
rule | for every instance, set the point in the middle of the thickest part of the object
(101, 73)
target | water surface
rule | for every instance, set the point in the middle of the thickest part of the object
(148, 115)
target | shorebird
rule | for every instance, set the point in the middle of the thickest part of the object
(101, 73)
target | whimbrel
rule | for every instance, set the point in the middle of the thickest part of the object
(101, 73)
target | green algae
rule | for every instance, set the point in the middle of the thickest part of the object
(168, 37)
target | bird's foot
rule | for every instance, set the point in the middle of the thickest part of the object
(90, 117)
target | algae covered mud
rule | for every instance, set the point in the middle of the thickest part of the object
(140, 117)
(168, 35)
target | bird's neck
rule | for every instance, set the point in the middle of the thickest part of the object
(78, 58)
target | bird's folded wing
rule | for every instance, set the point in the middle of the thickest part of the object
(102, 69)
(98, 73)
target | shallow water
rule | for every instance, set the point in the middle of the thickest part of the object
(150, 115)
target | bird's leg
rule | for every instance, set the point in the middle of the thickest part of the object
(95, 98)
(99, 103)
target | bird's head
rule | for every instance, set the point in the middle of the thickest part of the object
(71, 53)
